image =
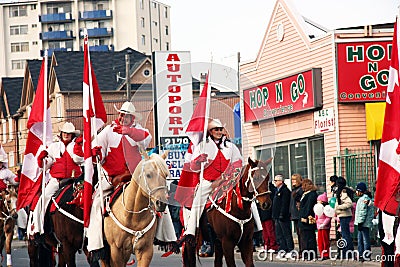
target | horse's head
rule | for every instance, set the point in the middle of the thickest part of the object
(153, 180)
(8, 204)
(257, 181)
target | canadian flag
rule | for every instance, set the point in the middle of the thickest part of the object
(94, 117)
(388, 181)
(39, 125)
(196, 129)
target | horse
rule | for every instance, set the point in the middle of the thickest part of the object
(131, 223)
(8, 216)
(236, 227)
(63, 227)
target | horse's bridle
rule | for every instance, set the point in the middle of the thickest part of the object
(8, 210)
(250, 179)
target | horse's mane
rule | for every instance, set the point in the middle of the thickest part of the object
(160, 163)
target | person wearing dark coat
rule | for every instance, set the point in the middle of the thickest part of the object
(297, 192)
(281, 215)
(307, 222)
(268, 224)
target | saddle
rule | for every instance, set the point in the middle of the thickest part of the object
(70, 192)
(108, 202)
(224, 188)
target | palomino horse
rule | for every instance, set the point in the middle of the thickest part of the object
(8, 216)
(131, 224)
(236, 227)
(63, 231)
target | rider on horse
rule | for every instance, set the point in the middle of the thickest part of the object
(7, 177)
(221, 158)
(63, 159)
(118, 149)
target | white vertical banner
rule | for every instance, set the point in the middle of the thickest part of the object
(172, 84)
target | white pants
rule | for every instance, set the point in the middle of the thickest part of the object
(199, 201)
(256, 216)
(37, 216)
(165, 229)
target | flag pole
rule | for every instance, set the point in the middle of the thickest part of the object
(203, 142)
(45, 100)
(92, 126)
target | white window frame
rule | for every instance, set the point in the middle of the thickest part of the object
(11, 159)
(18, 64)
(59, 107)
(20, 47)
(10, 129)
(18, 11)
(4, 124)
(143, 39)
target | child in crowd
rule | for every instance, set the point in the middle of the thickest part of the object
(323, 226)
(363, 219)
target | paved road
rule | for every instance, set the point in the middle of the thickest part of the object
(20, 259)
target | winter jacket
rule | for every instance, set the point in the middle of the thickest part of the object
(297, 192)
(307, 202)
(281, 203)
(344, 209)
(323, 221)
(364, 211)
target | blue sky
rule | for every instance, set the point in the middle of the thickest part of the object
(221, 28)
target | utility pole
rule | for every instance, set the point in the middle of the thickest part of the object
(128, 81)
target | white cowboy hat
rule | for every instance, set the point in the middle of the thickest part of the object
(69, 128)
(214, 123)
(3, 158)
(129, 108)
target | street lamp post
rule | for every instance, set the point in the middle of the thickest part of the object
(128, 81)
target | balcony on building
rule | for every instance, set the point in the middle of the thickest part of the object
(99, 32)
(100, 48)
(56, 17)
(51, 50)
(96, 15)
(56, 35)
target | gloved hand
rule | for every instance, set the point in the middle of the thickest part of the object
(79, 140)
(96, 151)
(201, 158)
(78, 149)
(136, 134)
(41, 157)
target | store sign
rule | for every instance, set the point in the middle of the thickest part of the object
(363, 71)
(282, 97)
(173, 98)
(324, 121)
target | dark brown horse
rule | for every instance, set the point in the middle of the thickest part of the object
(8, 216)
(236, 227)
(63, 234)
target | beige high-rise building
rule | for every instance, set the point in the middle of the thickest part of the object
(28, 28)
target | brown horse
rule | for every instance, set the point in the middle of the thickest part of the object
(131, 224)
(236, 227)
(8, 216)
(63, 232)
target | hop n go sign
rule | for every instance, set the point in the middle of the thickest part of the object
(324, 120)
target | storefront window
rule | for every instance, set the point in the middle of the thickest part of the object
(318, 163)
(281, 163)
(306, 157)
(298, 159)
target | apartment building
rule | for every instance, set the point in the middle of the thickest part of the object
(28, 28)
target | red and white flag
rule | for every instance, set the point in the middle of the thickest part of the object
(388, 181)
(39, 124)
(197, 127)
(94, 117)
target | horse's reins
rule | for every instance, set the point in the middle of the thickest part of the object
(6, 216)
(256, 194)
(139, 233)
